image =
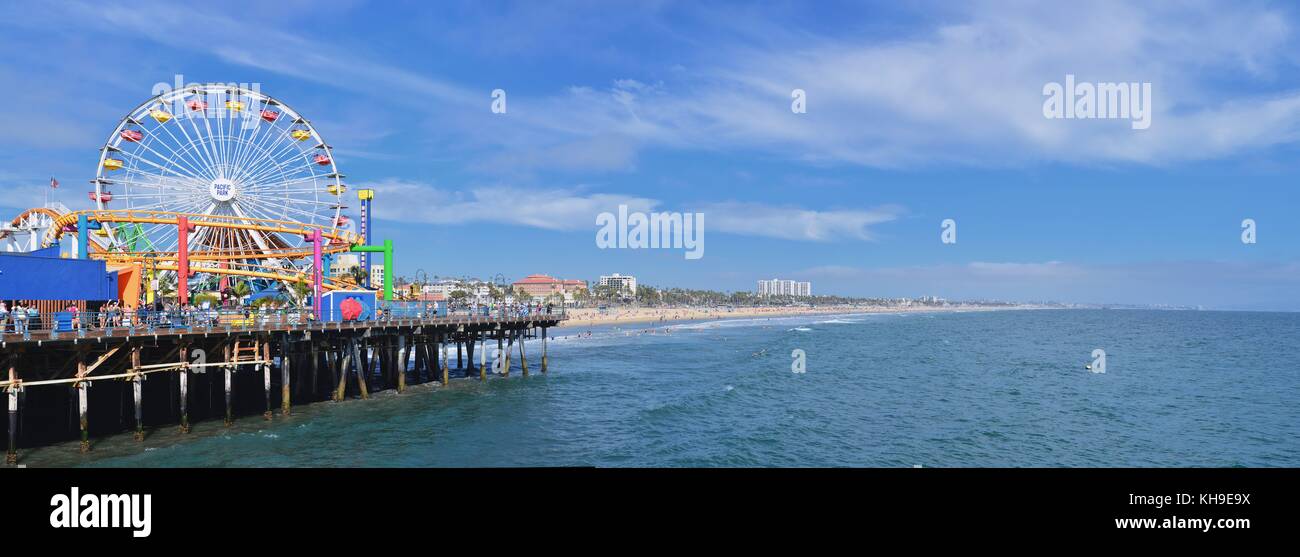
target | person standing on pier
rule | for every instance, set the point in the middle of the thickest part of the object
(4, 317)
(20, 318)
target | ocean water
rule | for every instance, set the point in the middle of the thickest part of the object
(991, 388)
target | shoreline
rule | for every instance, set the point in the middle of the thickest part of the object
(590, 317)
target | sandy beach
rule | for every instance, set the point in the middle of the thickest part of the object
(588, 317)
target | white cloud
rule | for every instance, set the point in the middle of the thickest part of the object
(575, 209)
(967, 91)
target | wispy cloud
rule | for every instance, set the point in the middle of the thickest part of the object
(963, 89)
(576, 209)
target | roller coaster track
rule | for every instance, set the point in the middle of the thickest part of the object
(334, 240)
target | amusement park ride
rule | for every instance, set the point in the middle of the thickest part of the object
(208, 183)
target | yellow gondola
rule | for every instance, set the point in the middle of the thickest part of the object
(336, 189)
(300, 135)
(113, 164)
(162, 116)
(234, 106)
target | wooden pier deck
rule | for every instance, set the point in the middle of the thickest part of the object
(170, 375)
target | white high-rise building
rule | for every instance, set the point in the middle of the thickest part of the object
(779, 287)
(622, 283)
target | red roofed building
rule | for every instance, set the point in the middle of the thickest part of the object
(542, 286)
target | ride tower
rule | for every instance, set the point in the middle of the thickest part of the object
(365, 195)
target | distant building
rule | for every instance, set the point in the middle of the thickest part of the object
(343, 263)
(621, 283)
(779, 287)
(543, 286)
(376, 276)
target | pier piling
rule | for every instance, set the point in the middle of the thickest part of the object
(482, 354)
(523, 356)
(118, 356)
(446, 362)
(342, 376)
(266, 378)
(137, 379)
(286, 355)
(82, 405)
(11, 457)
(401, 364)
(229, 369)
(510, 346)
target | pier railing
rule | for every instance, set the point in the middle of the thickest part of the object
(67, 324)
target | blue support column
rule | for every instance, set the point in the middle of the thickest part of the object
(83, 237)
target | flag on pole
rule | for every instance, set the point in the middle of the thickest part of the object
(54, 183)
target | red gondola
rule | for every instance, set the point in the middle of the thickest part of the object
(134, 136)
(197, 105)
(103, 197)
(341, 221)
(270, 115)
(321, 159)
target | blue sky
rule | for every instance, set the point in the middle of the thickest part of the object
(915, 114)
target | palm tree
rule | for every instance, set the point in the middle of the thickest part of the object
(241, 289)
(358, 274)
(301, 291)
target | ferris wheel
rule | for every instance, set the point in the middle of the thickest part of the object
(220, 151)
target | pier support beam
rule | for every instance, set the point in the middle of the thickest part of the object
(543, 350)
(510, 346)
(315, 370)
(502, 355)
(482, 355)
(446, 363)
(400, 364)
(11, 457)
(266, 376)
(137, 384)
(523, 356)
(469, 350)
(185, 382)
(339, 390)
(361, 375)
(285, 356)
(82, 406)
(229, 369)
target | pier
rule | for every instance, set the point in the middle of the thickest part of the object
(86, 381)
